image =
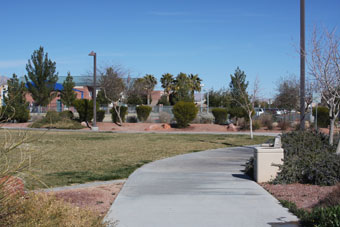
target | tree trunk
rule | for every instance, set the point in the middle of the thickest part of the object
(331, 131)
(118, 115)
(148, 99)
(251, 126)
(168, 97)
(338, 148)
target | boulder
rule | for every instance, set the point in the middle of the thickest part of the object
(166, 126)
(12, 185)
(232, 127)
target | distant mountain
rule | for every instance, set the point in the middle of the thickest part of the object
(3, 80)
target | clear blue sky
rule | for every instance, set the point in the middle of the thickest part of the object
(210, 38)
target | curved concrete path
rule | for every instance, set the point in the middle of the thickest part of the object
(204, 189)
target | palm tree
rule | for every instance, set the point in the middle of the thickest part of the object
(167, 83)
(195, 83)
(150, 83)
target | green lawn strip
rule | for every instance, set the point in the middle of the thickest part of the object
(64, 158)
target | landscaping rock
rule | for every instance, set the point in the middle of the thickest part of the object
(232, 127)
(83, 123)
(13, 185)
(166, 126)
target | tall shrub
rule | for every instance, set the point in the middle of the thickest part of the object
(123, 112)
(323, 116)
(184, 113)
(84, 108)
(143, 112)
(220, 115)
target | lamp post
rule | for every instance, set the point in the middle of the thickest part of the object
(94, 93)
(201, 85)
(302, 65)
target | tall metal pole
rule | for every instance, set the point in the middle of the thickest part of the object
(302, 65)
(94, 91)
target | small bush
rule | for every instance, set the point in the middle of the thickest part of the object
(267, 121)
(323, 116)
(184, 113)
(204, 118)
(332, 199)
(220, 115)
(100, 115)
(135, 100)
(244, 124)
(143, 112)
(165, 117)
(123, 113)
(67, 114)
(308, 159)
(131, 119)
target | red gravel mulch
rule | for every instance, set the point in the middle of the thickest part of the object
(303, 195)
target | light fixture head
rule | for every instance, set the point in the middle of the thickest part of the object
(92, 53)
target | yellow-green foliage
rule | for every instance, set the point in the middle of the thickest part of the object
(45, 210)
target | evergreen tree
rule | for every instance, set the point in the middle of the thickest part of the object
(182, 89)
(68, 95)
(238, 87)
(16, 107)
(41, 77)
(167, 83)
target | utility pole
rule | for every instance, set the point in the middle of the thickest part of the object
(302, 65)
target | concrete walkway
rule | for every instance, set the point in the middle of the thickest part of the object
(204, 189)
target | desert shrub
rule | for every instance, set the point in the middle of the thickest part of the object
(68, 114)
(256, 124)
(164, 117)
(100, 115)
(220, 115)
(45, 210)
(284, 125)
(203, 118)
(52, 116)
(164, 101)
(84, 108)
(131, 119)
(308, 159)
(323, 116)
(184, 113)
(267, 120)
(61, 124)
(123, 112)
(143, 112)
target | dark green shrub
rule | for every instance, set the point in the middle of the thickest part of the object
(220, 115)
(184, 113)
(100, 115)
(164, 101)
(16, 113)
(123, 113)
(308, 159)
(323, 116)
(143, 112)
(84, 108)
(68, 114)
(249, 168)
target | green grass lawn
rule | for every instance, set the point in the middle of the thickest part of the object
(63, 158)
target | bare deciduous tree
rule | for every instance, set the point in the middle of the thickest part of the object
(324, 66)
(112, 83)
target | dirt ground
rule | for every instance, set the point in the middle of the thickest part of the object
(98, 199)
(303, 195)
(153, 127)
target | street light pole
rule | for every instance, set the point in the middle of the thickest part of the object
(94, 93)
(302, 65)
